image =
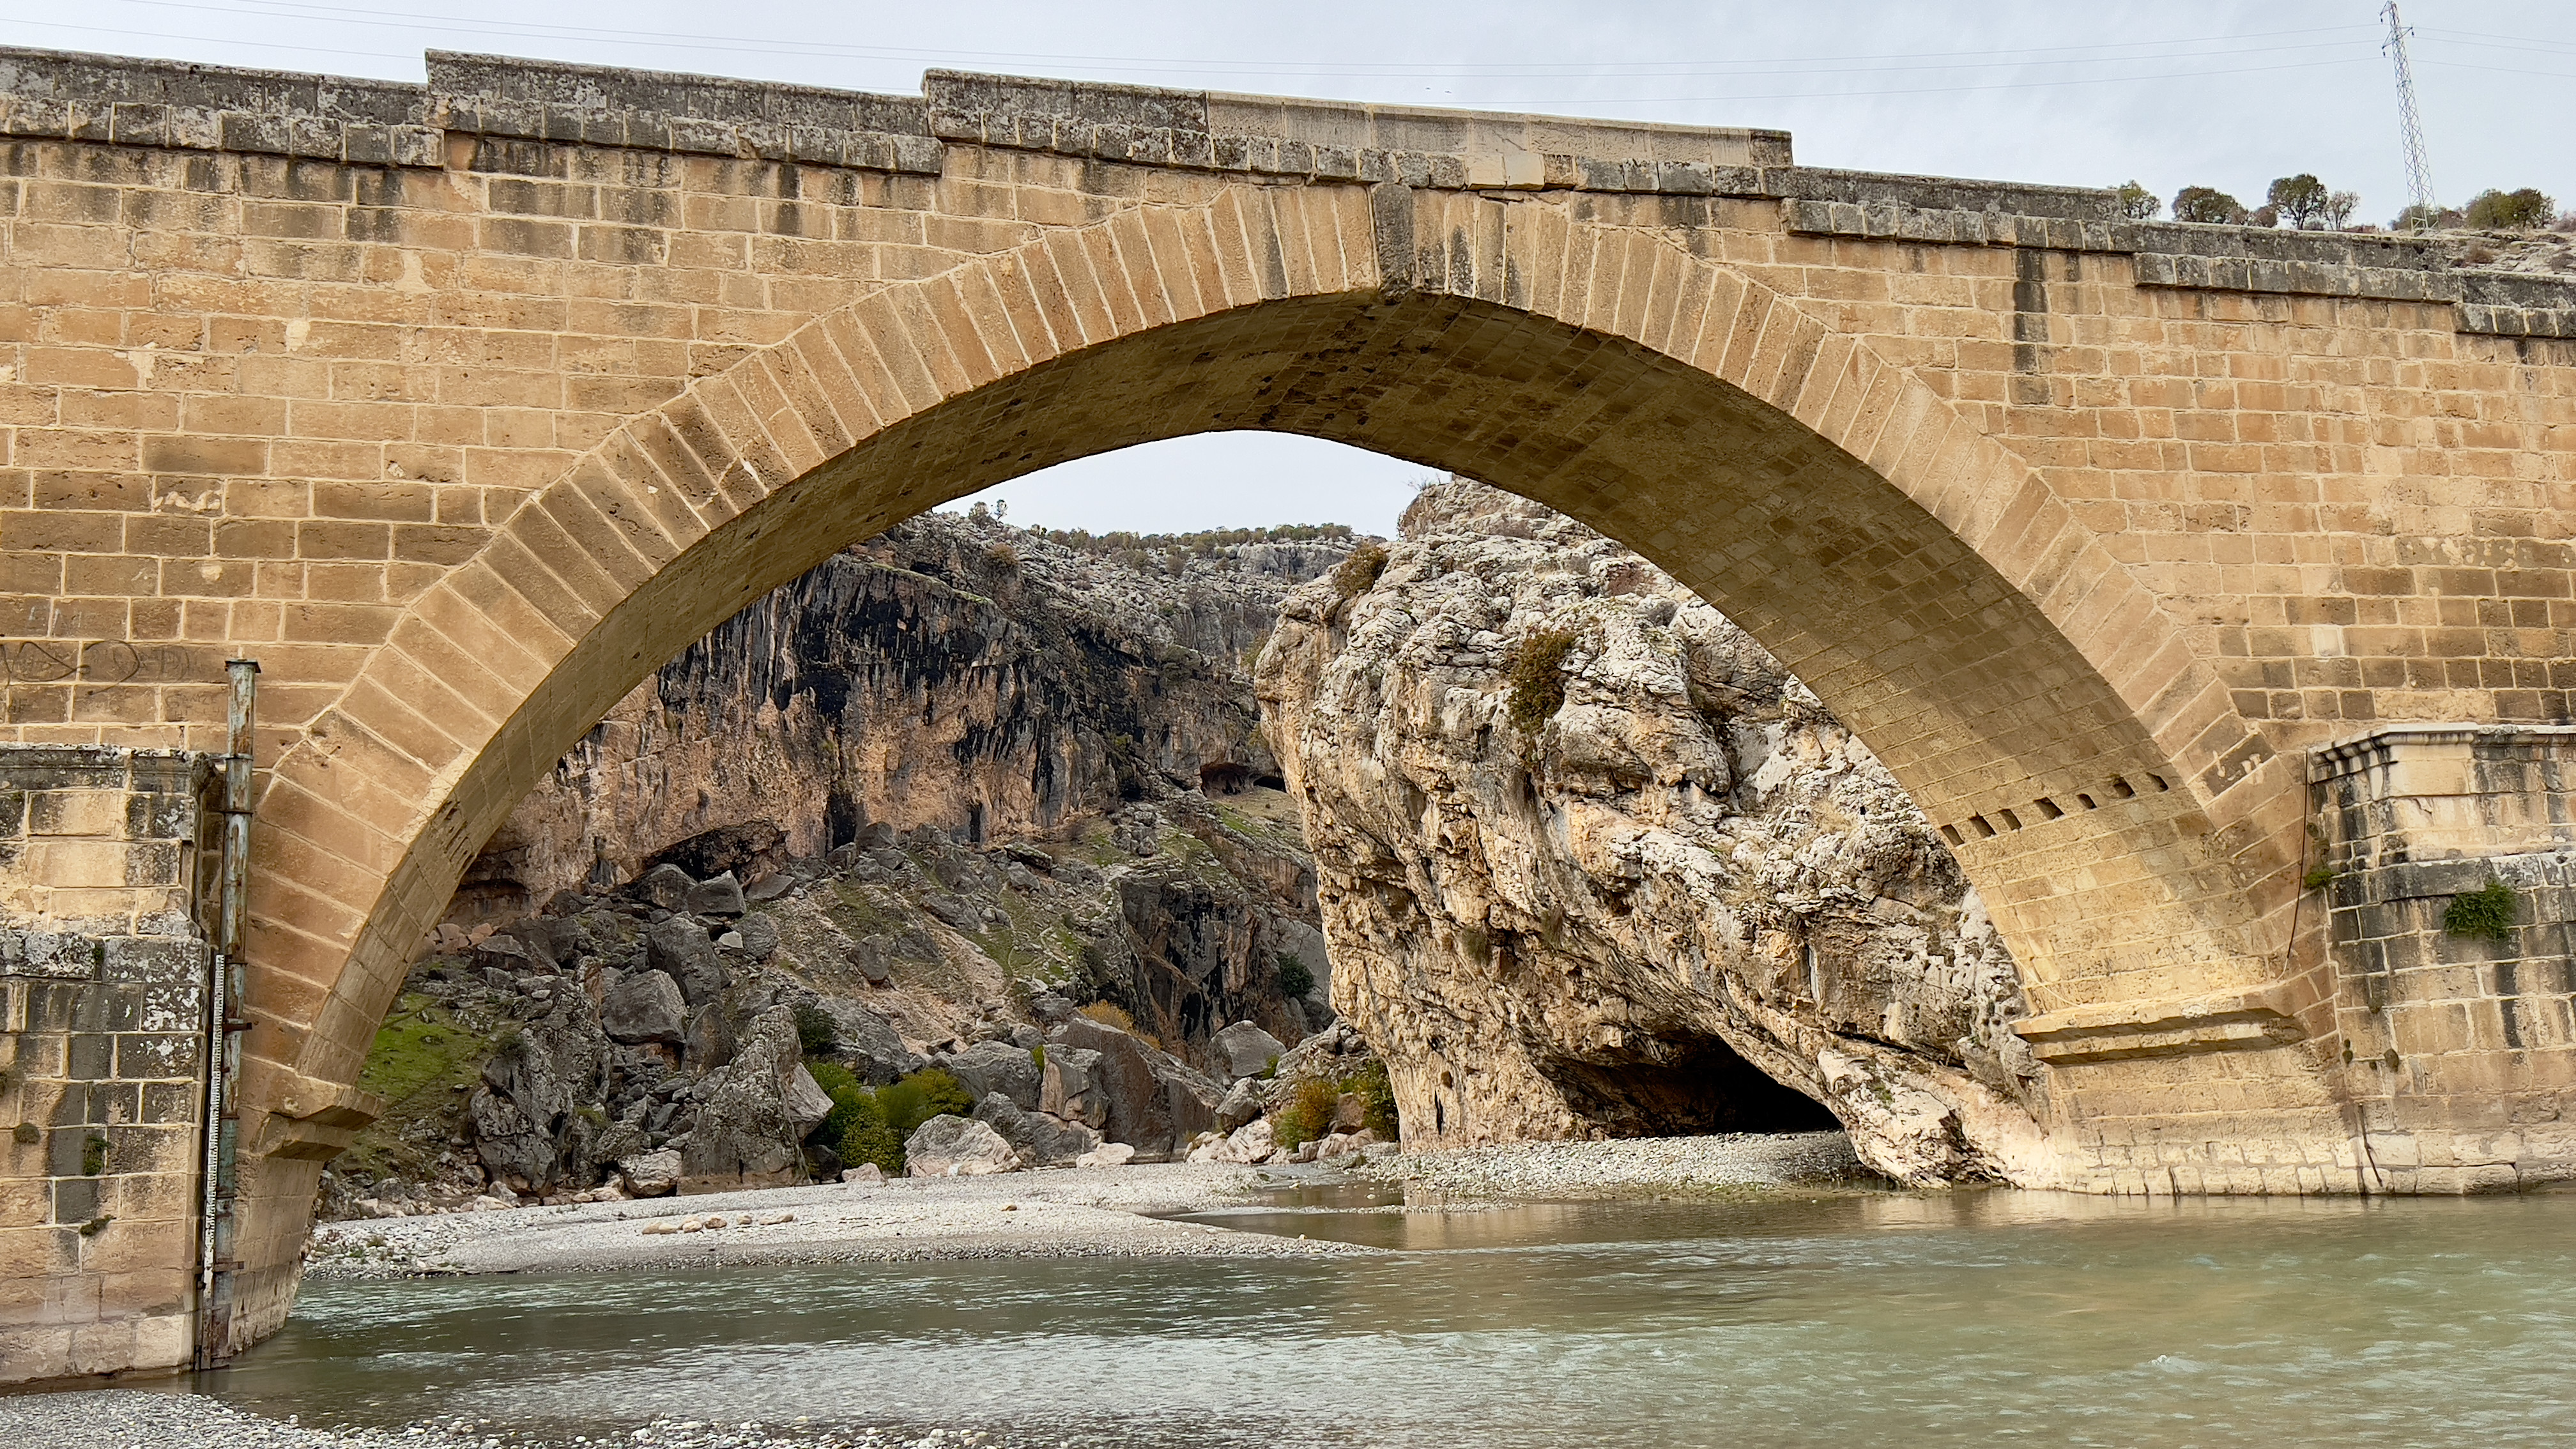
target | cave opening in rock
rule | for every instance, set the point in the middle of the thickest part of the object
(1681, 1086)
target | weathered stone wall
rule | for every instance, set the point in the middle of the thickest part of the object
(2473, 1034)
(102, 1054)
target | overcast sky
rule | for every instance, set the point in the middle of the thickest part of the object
(2172, 93)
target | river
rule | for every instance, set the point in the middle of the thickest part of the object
(1855, 1320)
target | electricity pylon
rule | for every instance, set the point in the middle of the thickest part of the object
(2410, 122)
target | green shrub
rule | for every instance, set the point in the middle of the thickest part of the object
(831, 1076)
(1538, 678)
(2319, 877)
(2529, 209)
(96, 1225)
(815, 1029)
(94, 1156)
(1293, 977)
(921, 1096)
(2485, 913)
(1378, 1095)
(866, 1136)
(26, 1133)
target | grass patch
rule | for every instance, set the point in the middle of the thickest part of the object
(1309, 1113)
(1537, 678)
(1357, 574)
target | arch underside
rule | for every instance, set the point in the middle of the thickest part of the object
(1949, 672)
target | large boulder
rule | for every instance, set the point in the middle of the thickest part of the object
(1248, 1144)
(651, 1174)
(1153, 1102)
(643, 1006)
(1070, 1087)
(1690, 900)
(990, 1067)
(666, 886)
(867, 1043)
(1040, 1140)
(1245, 1050)
(721, 896)
(525, 1119)
(951, 1146)
(1241, 1105)
(682, 948)
(754, 1112)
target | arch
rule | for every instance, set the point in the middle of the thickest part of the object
(1928, 584)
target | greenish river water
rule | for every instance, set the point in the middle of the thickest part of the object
(1964, 1318)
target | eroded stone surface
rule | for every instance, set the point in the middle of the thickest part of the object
(1685, 884)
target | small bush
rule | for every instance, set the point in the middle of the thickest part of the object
(2482, 914)
(1537, 678)
(94, 1156)
(27, 1133)
(1378, 1093)
(1307, 1116)
(1357, 574)
(2319, 877)
(1110, 1013)
(1294, 979)
(815, 1029)
(96, 1225)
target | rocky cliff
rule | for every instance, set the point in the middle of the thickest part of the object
(951, 772)
(1592, 863)
(994, 682)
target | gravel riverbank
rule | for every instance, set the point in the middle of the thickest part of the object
(1077, 1212)
(1632, 1167)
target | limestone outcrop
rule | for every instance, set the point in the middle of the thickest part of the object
(993, 682)
(1592, 863)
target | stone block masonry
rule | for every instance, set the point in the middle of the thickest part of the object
(463, 405)
(102, 1057)
(2458, 1049)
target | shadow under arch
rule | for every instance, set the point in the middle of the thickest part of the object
(1923, 581)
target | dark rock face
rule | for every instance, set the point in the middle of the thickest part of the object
(953, 672)
(997, 1068)
(643, 1006)
(1147, 1099)
(753, 1113)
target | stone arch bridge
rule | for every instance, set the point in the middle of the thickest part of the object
(2171, 568)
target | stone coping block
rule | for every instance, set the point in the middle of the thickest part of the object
(2130, 1030)
(72, 96)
